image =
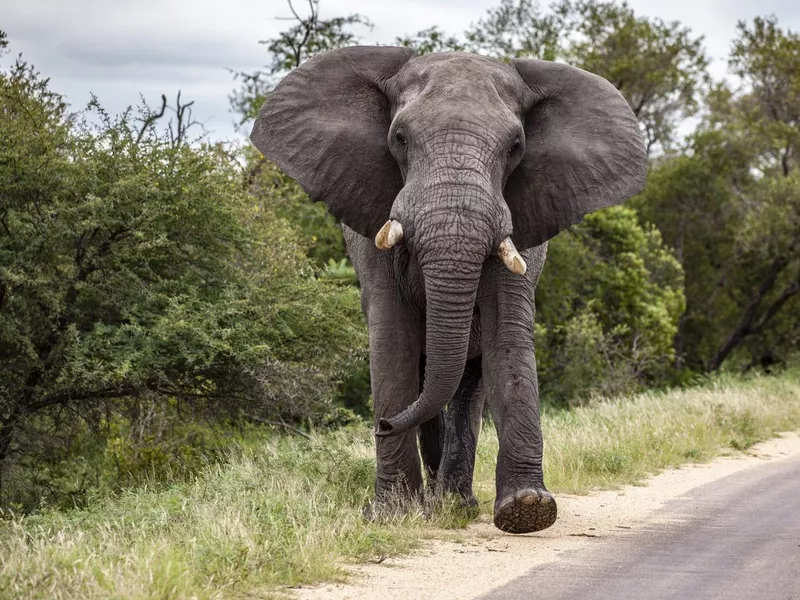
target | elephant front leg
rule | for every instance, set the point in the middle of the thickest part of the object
(523, 504)
(394, 371)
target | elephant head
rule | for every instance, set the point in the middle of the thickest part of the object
(459, 156)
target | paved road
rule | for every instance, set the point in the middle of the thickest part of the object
(735, 539)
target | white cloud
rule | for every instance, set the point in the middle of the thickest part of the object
(118, 49)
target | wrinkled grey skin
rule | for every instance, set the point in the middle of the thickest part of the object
(463, 151)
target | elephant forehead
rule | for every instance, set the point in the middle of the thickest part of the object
(461, 78)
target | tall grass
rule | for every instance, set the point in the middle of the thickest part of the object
(288, 510)
(614, 442)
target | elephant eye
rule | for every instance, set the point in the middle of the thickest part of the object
(401, 139)
(516, 146)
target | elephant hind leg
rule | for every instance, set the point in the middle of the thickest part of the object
(462, 425)
(431, 437)
(449, 440)
(431, 444)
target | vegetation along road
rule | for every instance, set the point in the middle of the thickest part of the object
(725, 529)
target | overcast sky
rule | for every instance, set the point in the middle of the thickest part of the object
(119, 49)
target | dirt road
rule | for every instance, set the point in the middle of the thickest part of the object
(744, 510)
(735, 539)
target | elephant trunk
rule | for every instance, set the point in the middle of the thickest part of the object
(450, 291)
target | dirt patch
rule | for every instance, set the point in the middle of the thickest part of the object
(481, 558)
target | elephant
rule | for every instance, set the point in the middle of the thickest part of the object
(449, 172)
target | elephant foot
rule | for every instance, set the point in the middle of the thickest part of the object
(526, 511)
(468, 501)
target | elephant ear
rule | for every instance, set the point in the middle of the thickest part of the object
(584, 151)
(325, 125)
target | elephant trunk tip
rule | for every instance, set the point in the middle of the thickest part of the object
(396, 425)
(385, 428)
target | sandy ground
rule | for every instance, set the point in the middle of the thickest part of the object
(484, 558)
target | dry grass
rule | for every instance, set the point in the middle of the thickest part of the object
(289, 511)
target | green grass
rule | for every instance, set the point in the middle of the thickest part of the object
(611, 443)
(288, 511)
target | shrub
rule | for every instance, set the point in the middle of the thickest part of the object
(608, 305)
(134, 264)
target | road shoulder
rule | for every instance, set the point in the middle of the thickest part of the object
(474, 561)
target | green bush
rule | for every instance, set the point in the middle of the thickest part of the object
(317, 230)
(134, 264)
(608, 305)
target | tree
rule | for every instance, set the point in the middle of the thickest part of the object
(768, 294)
(134, 265)
(659, 67)
(767, 115)
(514, 29)
(739, 233)
(518, 30)
(689, 199)
(431, 40)
(767, 60)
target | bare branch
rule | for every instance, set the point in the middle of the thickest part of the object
(776, 306)
(152, 118)
(184, 122)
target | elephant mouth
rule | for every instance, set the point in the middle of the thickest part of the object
(392, 233)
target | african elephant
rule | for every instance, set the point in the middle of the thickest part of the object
(449, 172)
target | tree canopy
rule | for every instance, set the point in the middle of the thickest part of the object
(730, 205)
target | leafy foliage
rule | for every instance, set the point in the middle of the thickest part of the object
(317, 230)
(731, 208)
(608, 304)
(431, 40)
(517, 30)
(133, 266)
(659, 67)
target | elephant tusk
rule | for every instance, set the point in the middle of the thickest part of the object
(511, 258)
(389, 235)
